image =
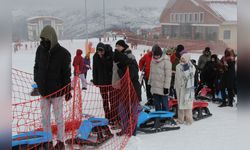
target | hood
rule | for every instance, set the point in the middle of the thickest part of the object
(78, 52)
(49, 32)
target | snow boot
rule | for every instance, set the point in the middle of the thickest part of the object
(224, 104)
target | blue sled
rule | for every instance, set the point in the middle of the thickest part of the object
(152, 122)
(31, 138)
(89, 127)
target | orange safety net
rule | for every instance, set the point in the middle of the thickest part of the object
(117, 103)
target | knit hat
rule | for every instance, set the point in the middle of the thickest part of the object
(157, 51)
(100, 47)
(179, 48)
(122, 43)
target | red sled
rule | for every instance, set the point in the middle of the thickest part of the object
(205, 94)
(200, 109)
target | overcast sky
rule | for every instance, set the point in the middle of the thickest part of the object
(92, 4)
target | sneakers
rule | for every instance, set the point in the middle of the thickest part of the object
(59, 146)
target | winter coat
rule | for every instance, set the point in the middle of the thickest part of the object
(203, 59)
(102, 68)
(144, 63)
(160, 75)
(229, 74)
(209, 73)
(52, 69)
(86, 62)
(127, 59)
(184, 85)
(78, 63)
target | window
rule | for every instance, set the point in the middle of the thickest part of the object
(176, 17)
(196, 18)
(187, 18)
(182, 18)
(201, 17)
(227, 34)
(190, 18)
(172, 18)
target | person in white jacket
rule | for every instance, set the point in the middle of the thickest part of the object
(184, 85)
(160, 78)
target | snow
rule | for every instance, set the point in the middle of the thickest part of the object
(222, 131)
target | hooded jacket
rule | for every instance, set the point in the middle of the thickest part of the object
(78, 63)
(144, 63)
(102, 67)
(127, 60)
(52, 69)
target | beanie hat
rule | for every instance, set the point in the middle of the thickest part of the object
(207, 49)
(122, 43)
(100, 47)
(157, 51)
(179, 48)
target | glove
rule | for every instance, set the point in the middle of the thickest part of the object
(165, 91)
(68, 96)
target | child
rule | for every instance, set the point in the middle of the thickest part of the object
(78, 64)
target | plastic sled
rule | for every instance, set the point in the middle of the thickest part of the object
(204, 94)
(158, 121)
(92, 132)
(31, 140)
(200, 109)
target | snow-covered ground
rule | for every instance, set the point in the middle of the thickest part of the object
(219, 132)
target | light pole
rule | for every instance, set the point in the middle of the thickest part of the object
(104, 23)
(86, 21)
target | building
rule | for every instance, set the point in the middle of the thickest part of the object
(209, 20)
(36, 24)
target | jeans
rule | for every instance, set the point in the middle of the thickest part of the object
(160, 102)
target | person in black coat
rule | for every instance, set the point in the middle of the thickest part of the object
(228, 78)
(124, 59)
(52, 72)
(102, 77)
(209, 74)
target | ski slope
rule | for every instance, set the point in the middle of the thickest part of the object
(220, 132)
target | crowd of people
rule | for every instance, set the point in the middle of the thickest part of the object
(168, 73)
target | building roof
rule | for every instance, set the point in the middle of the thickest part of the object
(33, 19)
(223, 10)
(228, 11)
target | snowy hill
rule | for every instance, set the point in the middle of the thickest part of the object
(74, 20)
